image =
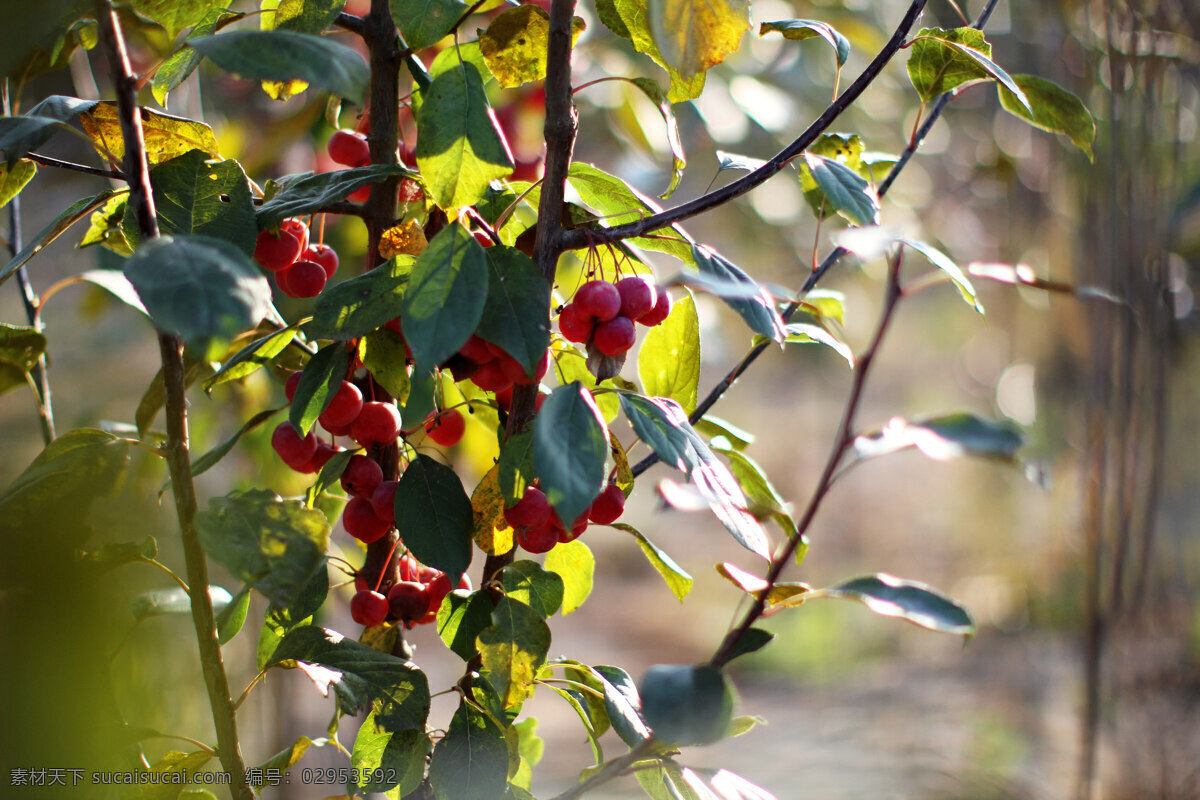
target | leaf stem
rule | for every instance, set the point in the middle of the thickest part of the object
(58, 163)
(141, 201)
(611, 770)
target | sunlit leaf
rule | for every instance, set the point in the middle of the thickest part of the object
(801, 29)
(669, 358)
(285, 55)
(942, 60)
(513, 649)
(527, 582)
(630, 19)
(943, 262)
(460, 619)
(1051, 108)
(575, 564)
(210, 459)
(13, 179)
(844, 190)
(696, 35)
(491, 531)
(165, 136)
(803, 332)
(909, 600)
(944, 438)
(515, 44)
(75, 212)
(389, 760)
(20, 349)
(252, 357)
(677, 578)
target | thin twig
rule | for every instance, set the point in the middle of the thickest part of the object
(175, 449)
(611, 770)
(58, 163)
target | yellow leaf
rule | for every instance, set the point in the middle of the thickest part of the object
(515, 44)
(166, 136)
(282, 90)
(695, 35)
(407, 239)
(492, 533)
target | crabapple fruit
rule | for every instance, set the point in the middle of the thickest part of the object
(369, 608)
(615, 336)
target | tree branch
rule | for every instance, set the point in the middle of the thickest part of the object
(576, 238)
(47, 161)
(175, 449)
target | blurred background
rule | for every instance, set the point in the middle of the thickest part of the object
(1084, 678)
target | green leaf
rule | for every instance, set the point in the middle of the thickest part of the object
(307, 193)
(514, 316)
(516, 469)
(306, 16)
(272, 544)
(570, 442)
(471, 761)
(678, 158)
(752, 640)
(618, 203)
(807, 333)
(233, 616)
(252, 357)
(569, 365)
(183, 62)
(165, 602)
(944, 437)
(13, 179)
(210, 459)
(434, 516)
(943, 262)
(460, 619)
(460, 147)
(575, 564)
(942, 60)
(663, 425)
(801, 29)
(916, 602)
(165, 136)
(328, 476)
(513, 649)
(387, 760)
(687, 703)
(446, 295)
(21, 134)
(623, 704)
(528, 583)
(20, 349)
(278, 622)
(287, 55)
(174, 15)
(696, 35)
(713, 426)
(765, 499)
(362, 304)
(844, 190)
(677, 578)
(578, 701)
(119, 553)
(1051, 108)
(669, 359)
(75, 212)
(630, 19)
(320, 381)
(758, 311)
(425, 22)
(194, 196)
(105, 229)
(287, 757)
(361, 677)
(206, 290)
(385, 357)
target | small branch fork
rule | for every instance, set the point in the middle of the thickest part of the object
(175, 449)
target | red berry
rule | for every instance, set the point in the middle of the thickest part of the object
(539, 372)
(538, 540)
(575, 323)
(324, 255)
(464, 583)
(476, 350)
(607, 506)
(298, 229)
(336, 430)
(615, 336)
(637, 296)
(349, 148)
(361, 195)
(491, 378)
(383, 503)
(377, 423)
(439, 587)
(410, 191)
(531, 511)
(410, 570)
(360, 583)
(369, 608)
(408, 600)
(576, 531)
(504, 398)
(446, 428)
(344, 408)
(599, 299)
(661, 310)
(361, 476)
(360, 521)
(302, 279)
(276, 252)
(483, 239)
(295, 450)
(289, 388)
(325, 451)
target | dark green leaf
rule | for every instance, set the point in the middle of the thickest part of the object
(753, 639)
(322, 377)
(20, 349)
(677, 578)
(919, 604)
(328, 476)
(618, 203)
(759, 311)
(514, 316)
(446, 295)
(77, 211)
(19, 135)
(516, 469)
(687, 703)
(578, 701)
(306, 193)
(252, 357)
(206, 290)
(513, 649)
(434, 516)
(460, 149)
(943, 262)
(272, 544)
(623, 704)
(362, 678)
(944, 437)
(570, 442)
(669, 359)
(527, 582)
(801, 29)
(358, 306)
(233, 616)
(387, 760)
(278, 622)
(844, 190)
(115, 555)
(471, 761)
(210, 459)
(663, 425)
(576, 565)
(460, 619)
(1051, 108)
(194, 196)
(425, 22)
(163, 602)
(287, 55)
(306, 16)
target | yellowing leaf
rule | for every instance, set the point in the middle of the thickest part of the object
(166, 136)
(515, 44)
(282, 90)
(491, 533)
(407, 239)
(695, 35)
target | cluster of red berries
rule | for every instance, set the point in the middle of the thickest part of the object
(539, 528)
(413, 600)
(602, 313)
(491, 368)
(300, 269)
